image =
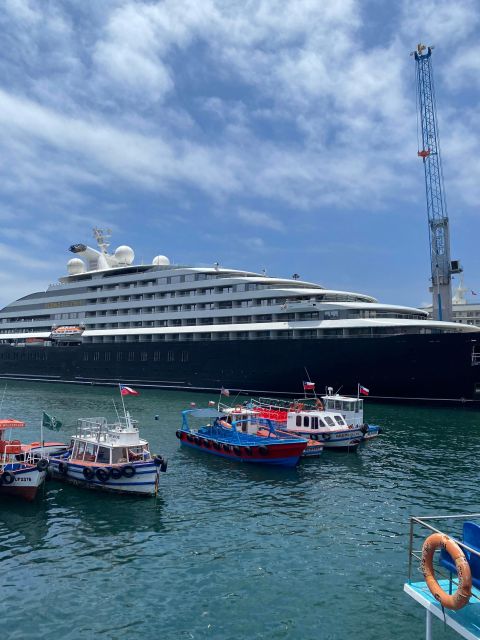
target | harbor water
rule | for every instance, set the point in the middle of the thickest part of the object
(230, 551)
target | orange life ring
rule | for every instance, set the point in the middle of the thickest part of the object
(462, 595)
(319, 404)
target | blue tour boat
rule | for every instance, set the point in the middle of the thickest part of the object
(236, 440)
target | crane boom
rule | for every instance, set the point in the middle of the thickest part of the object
(441, 266)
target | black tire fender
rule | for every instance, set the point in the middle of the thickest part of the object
(116, 473)
(42, 464)
(88, 473)
(8, 478)
(102, 474)
(62, 468)
(129, 471)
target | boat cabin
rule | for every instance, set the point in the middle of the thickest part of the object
(350, 408)
(99, 442)
(315, 421)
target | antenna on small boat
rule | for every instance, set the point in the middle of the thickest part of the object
(116, 411)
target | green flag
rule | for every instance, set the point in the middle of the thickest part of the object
(50, 422)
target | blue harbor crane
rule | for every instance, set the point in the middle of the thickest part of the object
(442, 267)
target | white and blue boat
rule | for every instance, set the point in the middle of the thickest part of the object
(109, 457)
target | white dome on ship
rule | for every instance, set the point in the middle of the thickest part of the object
(124, 254)
(161, 261)
(75, 266)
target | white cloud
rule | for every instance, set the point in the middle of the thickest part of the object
(260, 219)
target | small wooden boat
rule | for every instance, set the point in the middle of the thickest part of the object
(21, 474)
(227, 439)
(251, 421)
(109, 457)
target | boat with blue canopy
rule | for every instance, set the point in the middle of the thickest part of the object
(232, 440)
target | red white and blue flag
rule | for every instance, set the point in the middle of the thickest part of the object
(363, 391)
(127, 391)
(308, 386)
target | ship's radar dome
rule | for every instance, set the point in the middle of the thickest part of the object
(75, 266)
(161, 261)
(124, 254)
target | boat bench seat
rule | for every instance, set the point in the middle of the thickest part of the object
(471, 537)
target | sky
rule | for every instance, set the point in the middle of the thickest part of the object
(260, 134)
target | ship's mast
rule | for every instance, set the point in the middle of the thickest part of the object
(438, 225)
(102, 236)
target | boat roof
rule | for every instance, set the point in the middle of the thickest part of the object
(10, 423)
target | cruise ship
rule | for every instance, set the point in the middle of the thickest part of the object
(168, 325)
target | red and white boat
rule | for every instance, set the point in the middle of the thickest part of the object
(21, 473)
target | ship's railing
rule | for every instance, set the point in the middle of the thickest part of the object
(422, 527)
(99, 427)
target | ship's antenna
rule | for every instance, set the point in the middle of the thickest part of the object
(102, 236)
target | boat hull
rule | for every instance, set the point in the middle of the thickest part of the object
(335, 440)
(278, 453)
(143, 483)
(25, 485)
(408, 368)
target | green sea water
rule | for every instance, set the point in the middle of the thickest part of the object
(230, 551)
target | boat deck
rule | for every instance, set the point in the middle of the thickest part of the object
(466, 621)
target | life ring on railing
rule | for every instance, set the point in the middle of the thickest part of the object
(319, 404)
(462, 595)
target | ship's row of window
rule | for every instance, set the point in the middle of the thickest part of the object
(106, 356)
(135, 356)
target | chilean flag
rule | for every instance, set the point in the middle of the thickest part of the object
(127, 391)
(363, 390)
(308, 386)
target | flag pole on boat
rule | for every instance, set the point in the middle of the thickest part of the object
(123, 401)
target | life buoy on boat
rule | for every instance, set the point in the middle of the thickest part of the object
(462, 595)
(319, 404)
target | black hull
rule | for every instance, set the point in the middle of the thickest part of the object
(410, 367)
